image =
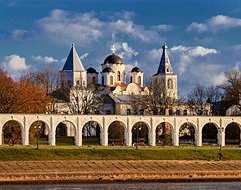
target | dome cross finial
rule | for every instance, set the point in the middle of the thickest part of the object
(113, 49)
(136, 63)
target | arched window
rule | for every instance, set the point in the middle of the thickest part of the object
(102, 80)
(111, 80)
(139, 80)
(119, 77)
(170, 84)
(94, 80)
(130, 79)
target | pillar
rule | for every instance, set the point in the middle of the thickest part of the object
(52, 138)
(1, 136)
(78, 137)
(128, 134)
(104, 136)
(152, 137)
(221, 138)
(198, 137)
(25, 137)
(175, 137)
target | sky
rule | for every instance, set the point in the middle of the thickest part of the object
(203, 36)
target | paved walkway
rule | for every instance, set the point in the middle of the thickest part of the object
(43, 171)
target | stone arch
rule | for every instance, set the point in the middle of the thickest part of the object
(164, 133)
(91, 133)
(65, 133)
(210, 133)
(12, 132)
(39, 130)
(187, 133)
(117, 133)
(232, 133)
(139, 80)
(140, 133)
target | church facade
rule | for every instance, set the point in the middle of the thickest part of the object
(112, 82)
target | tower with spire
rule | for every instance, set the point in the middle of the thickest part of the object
(165, 78)
(73, 72)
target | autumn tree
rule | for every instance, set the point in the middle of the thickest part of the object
(7, 93)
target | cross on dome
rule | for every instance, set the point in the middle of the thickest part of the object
(113, 49)
(136, 64)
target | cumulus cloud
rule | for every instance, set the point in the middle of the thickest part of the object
(215, 24)
(44, 59)
(66, 27)
(125, 51)
(14, 65)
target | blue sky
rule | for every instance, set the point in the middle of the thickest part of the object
(204, 37)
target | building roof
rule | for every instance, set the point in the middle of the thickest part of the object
(91, 70)
(165, 66)
(73, 62)
(113, 59)
(136, 69)
(107, 70)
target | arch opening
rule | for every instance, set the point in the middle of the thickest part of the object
(116, 133)
(232, 134)
(164, 134)
(38, 133)
(209, 134)
(140, 134)
(12, 133)
(187, 134)
(65, 133)
(91, 133)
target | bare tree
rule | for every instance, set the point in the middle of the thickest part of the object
(156, 101)
(84, 100)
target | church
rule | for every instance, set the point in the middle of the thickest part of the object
(112, 82)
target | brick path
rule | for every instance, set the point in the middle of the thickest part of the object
(21, 171)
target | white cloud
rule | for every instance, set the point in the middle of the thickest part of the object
(82, 28)
(19, 34)
(125, 51)
(14, 65)
(44, 59)
(84, 56)
(215, 24)
(163, 27)
(218, 79)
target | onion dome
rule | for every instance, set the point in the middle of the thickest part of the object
(107, 70)
(136, 69)
(113, 59)
(91, 70)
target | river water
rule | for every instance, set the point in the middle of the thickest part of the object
(131, 186)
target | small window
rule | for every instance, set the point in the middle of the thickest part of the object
(130, 79)
(139, 80)
(119, 76)
(108, 111)
(94, 80)
(141, 111)
(77, 82)
(185, 112)
(111, 80)
(178, 112)
(102, 80)
(170, 112)
(128, 111)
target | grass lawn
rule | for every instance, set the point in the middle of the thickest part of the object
(45, 152)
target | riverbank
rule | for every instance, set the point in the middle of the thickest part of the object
(84, 171)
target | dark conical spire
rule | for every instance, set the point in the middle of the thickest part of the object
(165, 64)
(73, 62)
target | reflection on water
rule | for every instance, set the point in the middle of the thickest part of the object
(130, 186)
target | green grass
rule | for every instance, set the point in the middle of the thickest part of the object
(116, 153)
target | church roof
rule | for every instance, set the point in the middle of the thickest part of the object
(73, 62)
(113, 59)
(136, 69)
(91, 70)
(107, 70)
(165, 66)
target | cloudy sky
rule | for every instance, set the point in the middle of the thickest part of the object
(204, 37)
